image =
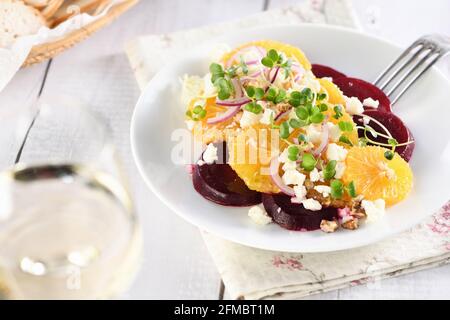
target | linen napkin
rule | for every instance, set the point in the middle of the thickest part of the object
(250, 273)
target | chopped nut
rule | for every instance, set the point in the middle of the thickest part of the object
(328, 226)
(351, 224)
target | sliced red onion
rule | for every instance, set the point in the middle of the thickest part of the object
(344, 214)
(274, 167)
(233, 103)
(323, 141)
(237, 87)
(281, 115)
(251, 62)
(296, 141)
(251, 76)
(230, 113)
(275, 75)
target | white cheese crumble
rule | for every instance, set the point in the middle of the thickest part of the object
(314, 175)
(267, 116)
(369, 102)
(314, 133)
(311, 204)
(259, 216)
(353, 105)
(366, 120)
(374, 209)
(340, 169)
(210, 154)
(324, 190)
(300, 192)
(334, 131)
(249, 118)
(289, 165)
(293, 177)
(336, 152)
(283, 157)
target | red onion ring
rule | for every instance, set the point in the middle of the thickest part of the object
(323, 141)
(281, 115)
(260, 50)
(233, 103)
(275, 75)
(274, 167)
(231, 112)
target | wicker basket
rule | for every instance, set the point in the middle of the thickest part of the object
(49, 50)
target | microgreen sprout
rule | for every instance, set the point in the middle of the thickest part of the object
(337, 189)
(308, 162)
(351, 189)
(293, 152)
(275, 59)
(337, 112)
(345, 126)
(275, 95)
(330, 170)
(197, 113)
(284, 130)
(345, 140)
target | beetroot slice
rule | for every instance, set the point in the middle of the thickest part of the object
(361, 89)
(219, 183)
(294, 216)
(321, 71)
(395, 126)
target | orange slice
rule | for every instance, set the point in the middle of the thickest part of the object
(287, 49)
(251, 151)
(375, 177)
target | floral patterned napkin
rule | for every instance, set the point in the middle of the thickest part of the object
(250, 273)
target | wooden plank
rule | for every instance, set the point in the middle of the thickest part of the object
(176, 264)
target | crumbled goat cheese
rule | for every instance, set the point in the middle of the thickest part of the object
(311, 204)
(259, 216)
(314, 133)
(289, 165)
(324, 190)
(388, 172)
(374, 209)
(336, 152)
(366, 120)
(191, 88)
(200, 162)
(293, 177)
(283, 157)
(314, 175)
(334, 131)
(353, 105)
(369, 102)
(267, 116)
(340, 169)
(249, 118)
(328, 226)
(210, 154)
(300, 192)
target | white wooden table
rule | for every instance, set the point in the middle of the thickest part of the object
(176, 262)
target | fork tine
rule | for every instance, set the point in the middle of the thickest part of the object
(403, 66)
(411, 71)
(417, 76)
(403, 55)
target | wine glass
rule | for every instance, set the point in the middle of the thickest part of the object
(67, 225)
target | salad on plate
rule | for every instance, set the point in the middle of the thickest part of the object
(302, 145)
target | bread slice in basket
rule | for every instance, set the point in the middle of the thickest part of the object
(18, 19)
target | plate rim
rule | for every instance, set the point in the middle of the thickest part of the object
(212, 230)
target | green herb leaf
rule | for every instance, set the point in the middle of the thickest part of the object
(284, 130)
(346, 126)
(337, 112)
(294, 123)
(308, 162)
(330, 170)
(273, 55)
(259, 93)
(351, 189)
(323, 107)
(250, 91)
(389, 155)
(267, 62)
(393, 142)
(302, 113)
(345, 140)
(337, 189)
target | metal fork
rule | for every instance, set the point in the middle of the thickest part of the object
(412, 64)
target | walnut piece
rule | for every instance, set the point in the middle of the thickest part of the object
(328, 226)
(351, 224)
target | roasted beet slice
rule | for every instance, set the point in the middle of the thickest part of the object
(321, 71)
(361, 89)
(219, 183)
(395, 126)
(294, 216)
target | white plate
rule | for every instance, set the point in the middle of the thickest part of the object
(425, 109)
